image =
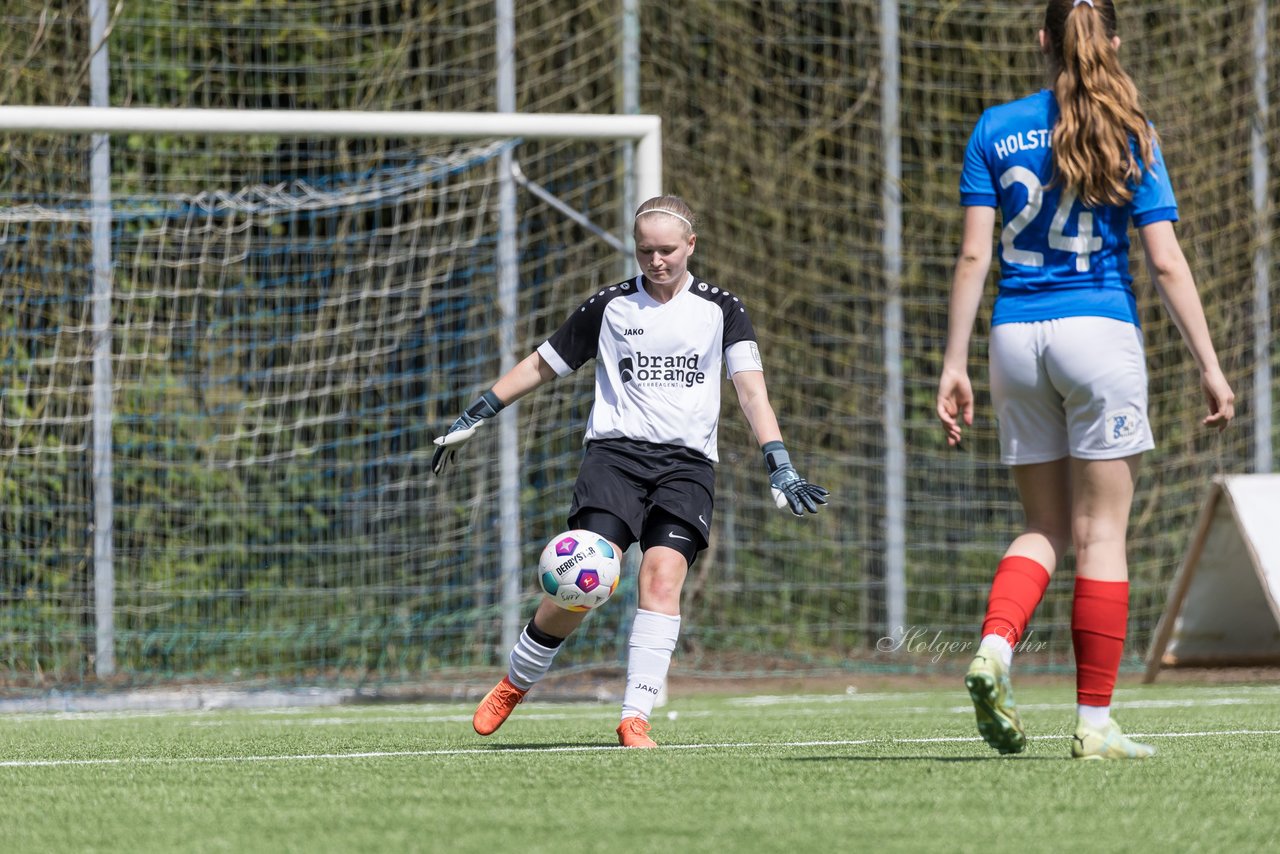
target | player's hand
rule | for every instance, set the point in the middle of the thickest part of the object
(955, 403)
(1220, 397)
(788, 487)
(463, 428)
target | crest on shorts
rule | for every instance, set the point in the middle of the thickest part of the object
(1121, 425)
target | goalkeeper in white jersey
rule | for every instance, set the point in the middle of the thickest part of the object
(661, 342)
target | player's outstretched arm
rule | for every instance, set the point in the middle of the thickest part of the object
(788, 487)
(514, 384)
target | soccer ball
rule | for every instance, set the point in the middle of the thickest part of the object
(579, 570)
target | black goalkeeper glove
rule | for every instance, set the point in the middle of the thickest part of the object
(788, 487)
(486, 406)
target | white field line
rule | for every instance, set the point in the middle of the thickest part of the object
(595, 711)
(852, 696)
(500, 751)
(820, 699)
(585, 714)
(1131, 704)
(449, 714)
(294, 706)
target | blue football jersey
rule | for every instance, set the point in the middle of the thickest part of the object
(1057, 257)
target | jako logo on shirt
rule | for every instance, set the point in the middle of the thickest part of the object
(662, 370)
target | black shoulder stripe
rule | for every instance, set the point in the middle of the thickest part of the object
(714, 293)
(578, 338)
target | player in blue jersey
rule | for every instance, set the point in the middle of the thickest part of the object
(661, 343)
(1069, 169)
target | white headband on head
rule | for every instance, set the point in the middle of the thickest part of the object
(1088, 3)
(667, 212)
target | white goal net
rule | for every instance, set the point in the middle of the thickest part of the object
(293, 315)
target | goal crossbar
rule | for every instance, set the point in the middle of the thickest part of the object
(644, 130)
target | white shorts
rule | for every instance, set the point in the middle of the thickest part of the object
(1074, 386)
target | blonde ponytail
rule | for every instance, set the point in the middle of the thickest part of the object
(1100, 117)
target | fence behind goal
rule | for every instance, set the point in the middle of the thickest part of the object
(295, 318)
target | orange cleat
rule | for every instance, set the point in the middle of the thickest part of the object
(496, 707)
(634, 732)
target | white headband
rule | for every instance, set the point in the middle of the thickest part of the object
(673, 213)
(1087, 2)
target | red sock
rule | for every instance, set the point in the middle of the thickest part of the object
(1099, 617)
(1018, 587)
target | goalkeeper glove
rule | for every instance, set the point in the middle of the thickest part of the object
(788, 487)
(486, 405)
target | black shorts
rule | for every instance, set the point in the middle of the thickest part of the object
(644, 485)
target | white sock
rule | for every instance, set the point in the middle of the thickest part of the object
(529, 661)
(1094, 716)
(998, 644)
(653, 639)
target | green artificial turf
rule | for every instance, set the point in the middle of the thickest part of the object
(878, 772)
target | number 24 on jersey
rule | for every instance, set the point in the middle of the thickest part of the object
(1082, 245)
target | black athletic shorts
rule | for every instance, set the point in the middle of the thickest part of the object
(648, 487)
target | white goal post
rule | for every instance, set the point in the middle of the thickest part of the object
(645, 130)
(645, 180)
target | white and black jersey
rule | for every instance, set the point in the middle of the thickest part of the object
(658, 365)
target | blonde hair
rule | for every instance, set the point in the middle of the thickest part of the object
(672, 206)
(1100, 117)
